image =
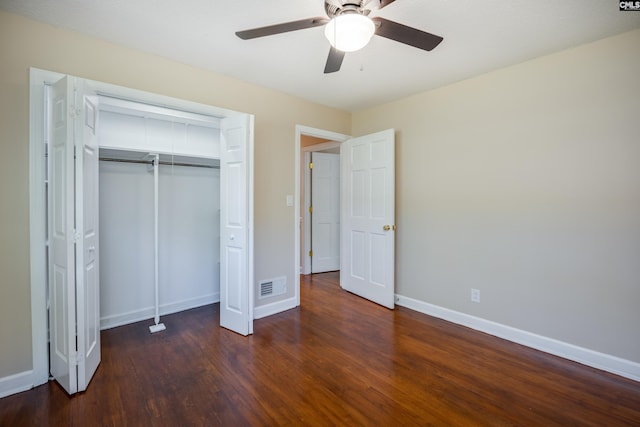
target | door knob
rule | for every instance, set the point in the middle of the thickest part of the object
(389, 227)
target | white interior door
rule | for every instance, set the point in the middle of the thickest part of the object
(87, 251)
(74, 307)
(325, 215)
(236, 308)
(62, 295)
(368, 229)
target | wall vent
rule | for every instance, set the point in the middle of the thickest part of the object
(266, 289)
(272, 287)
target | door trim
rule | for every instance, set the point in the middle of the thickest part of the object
(318, 133)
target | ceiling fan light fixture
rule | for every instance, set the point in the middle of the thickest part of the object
(349, 32)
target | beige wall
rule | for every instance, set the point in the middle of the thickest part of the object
(25, 43)
(525, 183)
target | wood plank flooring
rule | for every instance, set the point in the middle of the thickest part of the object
(338, 360)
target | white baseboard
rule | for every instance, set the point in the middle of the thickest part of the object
(114, 320)
(16, 383)
(602, 361)
(274, 308)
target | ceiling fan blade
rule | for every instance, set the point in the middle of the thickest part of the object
(281, 28)
(407, 35)
(334, 61)
(384, 3)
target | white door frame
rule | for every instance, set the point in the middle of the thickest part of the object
(305, 267)
(317, 133)
(38, 80)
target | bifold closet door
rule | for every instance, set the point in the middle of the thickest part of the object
(236, 224)
(74, 336)
(61, 204)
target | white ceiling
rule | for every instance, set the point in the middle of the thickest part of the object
(479, 36)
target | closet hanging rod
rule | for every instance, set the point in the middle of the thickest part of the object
(162, 162)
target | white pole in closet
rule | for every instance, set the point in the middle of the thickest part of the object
(158, 326)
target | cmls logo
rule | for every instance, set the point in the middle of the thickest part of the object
(630, 5)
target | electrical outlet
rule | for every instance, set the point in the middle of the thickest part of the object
(475, 295)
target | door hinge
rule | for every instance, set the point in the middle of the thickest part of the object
(310, 209)
(76, 357)
(310, 165)
(76, 236)
(310, 253)
(74, 112)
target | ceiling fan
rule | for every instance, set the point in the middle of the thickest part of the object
(349, 28)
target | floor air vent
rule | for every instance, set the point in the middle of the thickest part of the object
(272, 287)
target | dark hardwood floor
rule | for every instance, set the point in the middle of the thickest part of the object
(337, 360)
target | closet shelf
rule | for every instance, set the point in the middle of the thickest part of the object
(131, 156)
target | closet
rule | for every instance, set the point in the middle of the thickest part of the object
(142, 191)
(188, 217)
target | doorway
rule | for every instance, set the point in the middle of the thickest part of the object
(367, 213)
(320, 140)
